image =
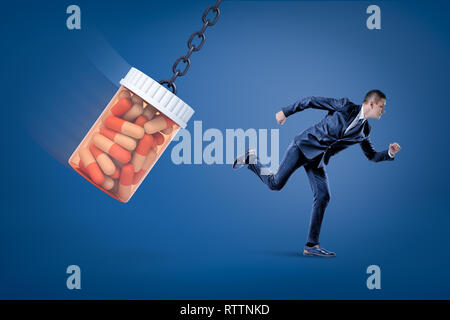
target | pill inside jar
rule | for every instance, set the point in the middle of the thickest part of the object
(128, 138)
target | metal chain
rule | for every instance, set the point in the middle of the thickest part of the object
(192, 47)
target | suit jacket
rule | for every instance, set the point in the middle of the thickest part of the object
(327, 137)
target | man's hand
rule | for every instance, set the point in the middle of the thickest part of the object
(281, 118)
(394, 148)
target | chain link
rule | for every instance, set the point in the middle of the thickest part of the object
(192, 47)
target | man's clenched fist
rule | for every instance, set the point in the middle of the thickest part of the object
(281, 118)
(394, 148)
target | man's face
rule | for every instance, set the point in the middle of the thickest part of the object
(378, 107)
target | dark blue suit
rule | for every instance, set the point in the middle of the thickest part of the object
(313, 148)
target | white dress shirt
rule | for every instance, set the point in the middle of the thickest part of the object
(356, 120)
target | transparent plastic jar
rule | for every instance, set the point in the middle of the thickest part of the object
(130, 135)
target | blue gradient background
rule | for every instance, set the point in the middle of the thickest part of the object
(205, 232)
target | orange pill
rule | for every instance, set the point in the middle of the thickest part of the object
(91, 166)
(158, 138)
(151, 157)
(82, 168)
(144, 145)
(143, 148)
(134, 112)
(149, 160)
(158, 123)
(121, 139)
(141, 120)
(121, 106)
(125, 182)
(138, 176)
(125, 127)
(108, 184)
(104, 162)
(111, 148)
(116, 173)
(126, 176)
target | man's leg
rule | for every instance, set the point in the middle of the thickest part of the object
(293, 159)
(319, 184)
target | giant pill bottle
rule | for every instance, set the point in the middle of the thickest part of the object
(130, 135)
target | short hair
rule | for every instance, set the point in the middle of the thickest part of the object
(377, 94)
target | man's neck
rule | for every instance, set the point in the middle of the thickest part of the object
(365, 109)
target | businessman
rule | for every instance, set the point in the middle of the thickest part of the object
(344, 125)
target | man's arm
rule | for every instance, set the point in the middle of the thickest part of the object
(329, 104)
(373, 155)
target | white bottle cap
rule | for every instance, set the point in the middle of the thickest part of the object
(158, 96)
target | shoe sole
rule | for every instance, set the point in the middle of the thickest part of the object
(318, 255)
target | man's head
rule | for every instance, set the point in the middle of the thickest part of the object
(373, 104)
